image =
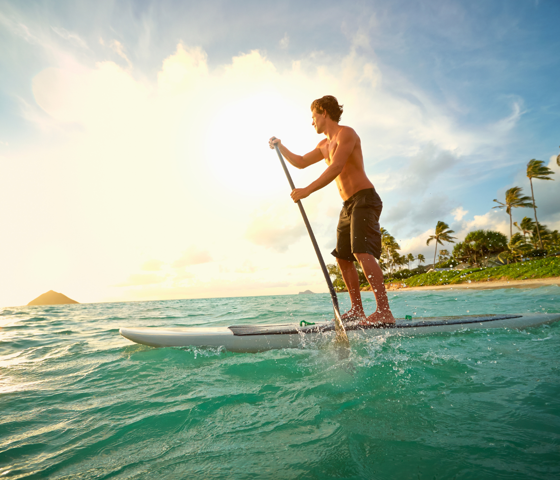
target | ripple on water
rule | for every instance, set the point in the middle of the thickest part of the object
(79, 401)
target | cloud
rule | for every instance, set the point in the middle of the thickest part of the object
(152, 265)
(408, 217)
(265, 233)
(192, 256)
(493, 220)
(247, 267)
(285, 41)
(140, 279)
(271, 227)
(459, 213)
(508, 123)
(18, 28)
(70, 36)
(118, 48)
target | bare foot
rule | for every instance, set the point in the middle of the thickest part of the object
(354, 314)
(381, 318)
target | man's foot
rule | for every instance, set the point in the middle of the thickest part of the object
(380, 319)
(353, 315)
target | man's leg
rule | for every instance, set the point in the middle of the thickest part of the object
(374, 275)
(352, 281)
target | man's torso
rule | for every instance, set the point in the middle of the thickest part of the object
(353, 177)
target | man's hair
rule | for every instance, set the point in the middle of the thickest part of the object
(329, 104)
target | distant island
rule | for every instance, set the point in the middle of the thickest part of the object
(52, 298)
(305, 293)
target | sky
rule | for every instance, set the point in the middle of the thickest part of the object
(134, 159)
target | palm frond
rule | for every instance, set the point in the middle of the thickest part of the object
(537, 169)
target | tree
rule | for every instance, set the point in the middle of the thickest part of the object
(421, 259)
(558, 160)
(389, 247)
(526, 226)
(442, 234)
(400, 260)
(478, 245)
(514, 199)
(549, 238)
(409, 258)
(517, 247)
(536, 169)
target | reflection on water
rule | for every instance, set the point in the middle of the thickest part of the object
(78, 400)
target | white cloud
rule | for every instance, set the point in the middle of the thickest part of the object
(493, 220)
(140, 279)
(268, 229)
(459, 213)
(285, 41)
(70, 36)
(193, 256)
(507, 124)
(152, 265)
(409, 216)
(118, 48)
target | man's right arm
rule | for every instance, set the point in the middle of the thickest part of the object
(297, 161)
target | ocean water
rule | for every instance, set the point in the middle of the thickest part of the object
(78, 401)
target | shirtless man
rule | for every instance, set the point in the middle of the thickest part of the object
(358, 232)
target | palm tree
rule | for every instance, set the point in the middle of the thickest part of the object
(526, 226)
(421, 259)
(442, 234)
(389, 247)
(409, 258)
(443, 255)
(516, 249)
(558, 160)
(536, 169)
(514, 199)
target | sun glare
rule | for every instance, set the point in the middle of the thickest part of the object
(237, 143)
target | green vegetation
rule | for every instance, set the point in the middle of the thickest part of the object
(541, 268)
(478, 246)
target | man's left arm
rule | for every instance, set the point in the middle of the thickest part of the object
(345, 146)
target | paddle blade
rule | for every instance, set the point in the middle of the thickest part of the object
(341, 339)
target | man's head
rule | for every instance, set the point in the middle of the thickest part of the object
(328, 104)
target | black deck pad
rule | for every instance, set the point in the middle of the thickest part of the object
(294, 328)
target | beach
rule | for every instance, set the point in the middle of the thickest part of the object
(490, 285)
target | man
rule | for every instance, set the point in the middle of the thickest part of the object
(358, 232)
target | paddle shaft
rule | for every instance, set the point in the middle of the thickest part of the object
(341, 332)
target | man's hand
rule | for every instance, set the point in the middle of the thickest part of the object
(274, 141)
(299, 193)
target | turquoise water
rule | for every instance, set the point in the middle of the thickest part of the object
(79, 401)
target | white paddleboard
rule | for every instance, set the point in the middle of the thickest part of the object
(258, 338)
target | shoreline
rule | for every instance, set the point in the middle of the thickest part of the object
(489, 285)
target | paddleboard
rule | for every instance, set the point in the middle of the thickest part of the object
(258, 338)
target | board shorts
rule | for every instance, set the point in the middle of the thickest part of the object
(358, 228)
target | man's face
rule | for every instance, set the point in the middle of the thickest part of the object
(318, 120)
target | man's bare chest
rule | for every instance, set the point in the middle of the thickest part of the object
(328, 152)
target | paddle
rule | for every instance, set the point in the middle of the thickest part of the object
(341, 338)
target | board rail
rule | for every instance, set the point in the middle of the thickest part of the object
(291, 329)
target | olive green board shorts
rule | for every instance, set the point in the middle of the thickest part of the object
(358, 228)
